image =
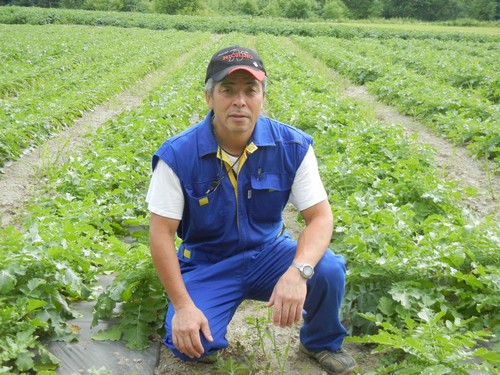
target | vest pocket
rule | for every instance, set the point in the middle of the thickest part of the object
(207, 212)
(270, 192)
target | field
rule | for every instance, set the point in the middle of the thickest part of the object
(423, 278)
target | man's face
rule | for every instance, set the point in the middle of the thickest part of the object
(237, 103)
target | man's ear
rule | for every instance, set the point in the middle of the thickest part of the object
(208, 98)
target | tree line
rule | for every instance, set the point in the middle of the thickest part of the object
(425, 10)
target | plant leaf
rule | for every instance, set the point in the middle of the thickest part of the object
(7, 282)
(113, 333)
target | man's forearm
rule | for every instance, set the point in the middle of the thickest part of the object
(163, 253)
(316, 237)
(168, 270)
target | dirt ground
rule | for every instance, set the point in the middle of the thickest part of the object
(19, 180)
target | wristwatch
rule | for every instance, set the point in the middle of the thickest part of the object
(306, 270)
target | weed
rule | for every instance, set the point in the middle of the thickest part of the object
(230, 366)
(266, 334)
(432, 343)
(51, 156)
(491, 170)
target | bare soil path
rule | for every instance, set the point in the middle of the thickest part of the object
(20, 180)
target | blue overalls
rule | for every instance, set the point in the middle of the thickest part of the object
(234, 243)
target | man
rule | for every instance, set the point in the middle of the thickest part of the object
(222, 185)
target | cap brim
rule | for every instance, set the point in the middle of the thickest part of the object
(258, 74)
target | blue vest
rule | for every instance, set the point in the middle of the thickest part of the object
(224, 214)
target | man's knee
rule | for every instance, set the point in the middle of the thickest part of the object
(331, 269)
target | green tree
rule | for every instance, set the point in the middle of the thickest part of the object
(484, 10)
(143, 6)
(360, 9)
(177, 6)
(114, 5)
(72, 4)
(334, 9)
(426, 10)
(248, 7)
(221, 7)
(35, 3)
(272, 9)
(300, 8)
(23, 3)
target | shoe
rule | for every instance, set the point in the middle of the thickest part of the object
(334, 363)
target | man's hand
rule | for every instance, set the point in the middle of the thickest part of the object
(288, 298)
(187, 323)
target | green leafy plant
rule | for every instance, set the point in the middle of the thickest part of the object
(65, 72)
(408, 245)
(143, 303)
(434, 345)
(230, 366)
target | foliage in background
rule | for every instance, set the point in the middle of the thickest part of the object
(483, 32)
(176, 6)
(362, 9)
(430, 10)
(334, 10)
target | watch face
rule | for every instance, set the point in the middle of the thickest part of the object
(308, 271)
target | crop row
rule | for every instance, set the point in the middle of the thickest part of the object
(52, 74)
(465, 65)
(417, 264)
(452, 87)
(224, 25)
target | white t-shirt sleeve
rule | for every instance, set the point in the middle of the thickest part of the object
(165, 196)
(307, 187)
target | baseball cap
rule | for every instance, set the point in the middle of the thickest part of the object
(233, 58)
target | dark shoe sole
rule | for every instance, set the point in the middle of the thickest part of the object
(310, 354)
